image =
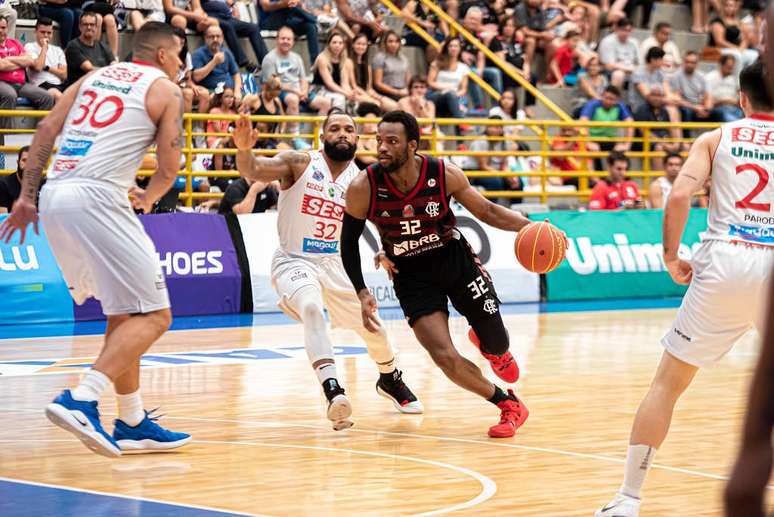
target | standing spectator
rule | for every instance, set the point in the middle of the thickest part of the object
(615, 191)
(476, 60)
(391, 68)
(223, 103)
(67, 13)
(13, 80)
(233, 28)
(361, 76)
(562, 70)
(689, 90)
(10, 186)
(137, 12)
(331, 79)
(86, 53)
(246, 196)
(654, 111)
(361, 17)
(662, 38)
(607, 109)
(417, 103)
(215, 65)
(295, 88)
(49, 68)
(532, 19)
(726, 33)
(274, 14)
(591, 85)
(493, 163)
(188, 14)
(367, 141)
(659, 189)
(619, 53)
(414, 11)
(448, 78)
(723, 85)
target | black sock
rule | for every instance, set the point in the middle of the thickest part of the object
(499, 396)
(331, 387)
(389, 378)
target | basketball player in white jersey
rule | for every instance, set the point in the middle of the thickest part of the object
(307, 272)
(106, 122)
(728, 274)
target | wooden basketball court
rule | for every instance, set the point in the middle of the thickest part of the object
(262, 445)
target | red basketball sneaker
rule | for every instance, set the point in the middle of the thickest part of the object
(504, 365)
(513, 413)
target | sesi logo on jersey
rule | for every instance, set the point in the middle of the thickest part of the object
(752, 135)
(122, 74)
(320, 207)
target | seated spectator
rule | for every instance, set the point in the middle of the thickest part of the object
(725, 32)
(295, 88)
(137, 12)
(214, 65)
(361, 76)
(330, 79)
(566, 143)
(223, 103)
(391, 68)
(49, 68)
(246, 196)
(659, 189)
(191, 92)
(619, 53)
(563, 68)
(13, 80)
(274, 14)
(233, 28)
(86, 53)
(662, 38)
(647, 8)
(448, 78)
(647, 77)
(516, 46)
(508, 109)
(754, 24)
(723, 85)
(531, 17)
(414, 11)
(267, 103)
(67, 14)
(187, 14)
(591, 85)
(417, 103)
(328, 17)
(654, 111)
(607, 109)
(106, 21)
(491, 11)
(361, 16)
(367, 141)
(493, 163)
(10, 185)
(577, 20)
(688, 87)
(7, 10)
(475, 59)
(615, 191)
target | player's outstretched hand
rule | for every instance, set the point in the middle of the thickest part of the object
(244, 135)
(22, 214)
(368, 311)
(680, 271)
(139, 200)
(380, 259)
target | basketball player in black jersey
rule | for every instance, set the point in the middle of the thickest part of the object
(407, 196)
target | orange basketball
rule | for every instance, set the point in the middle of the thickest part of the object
(540, 247)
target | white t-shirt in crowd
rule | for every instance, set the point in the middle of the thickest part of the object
(55, 57)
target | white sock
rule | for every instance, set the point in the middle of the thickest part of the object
(326, 371)
(638, 461)
(379, 349)
(92, 384)
(130, 408)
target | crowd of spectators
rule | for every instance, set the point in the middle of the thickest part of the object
(362, 67)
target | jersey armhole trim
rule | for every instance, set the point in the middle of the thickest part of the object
(442, 184)
(715, 151)
(372, 197)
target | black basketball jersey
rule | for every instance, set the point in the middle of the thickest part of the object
(415, 222)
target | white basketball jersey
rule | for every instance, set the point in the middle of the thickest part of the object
(108, 130)
(311, 210)
(742, 192)
(666, 188)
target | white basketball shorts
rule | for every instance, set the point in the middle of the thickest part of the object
(726, 298)
(326, 277)
(101, 247)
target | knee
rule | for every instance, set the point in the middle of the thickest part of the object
(312, 313)
(110, 22)
(178, 21)
(161, 319)
(291, 101)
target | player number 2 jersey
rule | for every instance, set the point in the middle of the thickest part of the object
(311, 211)
(742, 188)
(107, 131)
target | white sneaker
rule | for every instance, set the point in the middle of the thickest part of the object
(621, 506)
(339, 411)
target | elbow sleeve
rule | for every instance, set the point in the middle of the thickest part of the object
(351, 230)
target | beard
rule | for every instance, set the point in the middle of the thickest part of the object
(396, 164)
(337, 153)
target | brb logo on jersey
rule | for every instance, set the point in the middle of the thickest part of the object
(319, 207)
(404, 247)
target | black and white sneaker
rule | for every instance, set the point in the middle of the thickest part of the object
(394, 389)
(339, 408)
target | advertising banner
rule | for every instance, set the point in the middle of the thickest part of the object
(617, 254)
(31, 285)
(495, 248)
(198, 260)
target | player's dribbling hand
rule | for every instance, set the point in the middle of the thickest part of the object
(22, 214)
(380, 259)
(368, 311)
(680, 271)
(139, 200)
(244, 135)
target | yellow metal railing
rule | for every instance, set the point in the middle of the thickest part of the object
(443, 143)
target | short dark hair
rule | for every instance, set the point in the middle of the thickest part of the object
(674, 155)
(610, 88)
(753, 83)
(654, 53)
(43, 21)
(691, 53)
(332, 113)
(662, 25)
(86, 15)
(150, 37)
(623, 22)
(726, 57)
(407, 120)
(421, 79)
(617, 156)
(364, 108)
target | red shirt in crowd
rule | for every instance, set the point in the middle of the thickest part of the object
(565, 60)
(12, 48)
(607, 196)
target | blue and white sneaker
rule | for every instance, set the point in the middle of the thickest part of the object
(147, 435)
(82, 419)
